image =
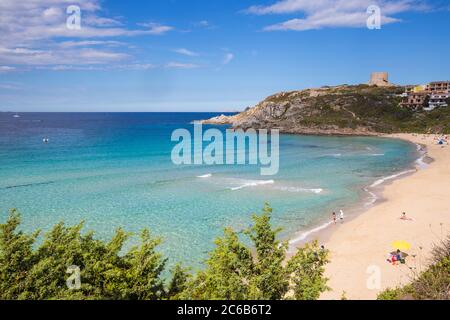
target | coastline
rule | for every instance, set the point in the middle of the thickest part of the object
(373, 196)
(359, 247)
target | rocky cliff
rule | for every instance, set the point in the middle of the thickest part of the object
(341, 110)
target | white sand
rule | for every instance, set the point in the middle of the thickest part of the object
(359, 247)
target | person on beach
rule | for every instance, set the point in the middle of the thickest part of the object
(341, 216)
(395, 257)
(404, 217)
(399, 255)
(394, 260)
(334, 217)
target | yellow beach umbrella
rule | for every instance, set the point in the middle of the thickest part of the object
(401, 245)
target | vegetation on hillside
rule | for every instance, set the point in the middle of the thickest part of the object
(378, 109)
(32, 269)
(433, 284)
(372, 108)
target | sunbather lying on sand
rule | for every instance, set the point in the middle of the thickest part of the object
(404, 217)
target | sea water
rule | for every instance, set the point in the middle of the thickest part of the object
(114, 170)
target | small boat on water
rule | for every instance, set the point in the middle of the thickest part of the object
(16, 116)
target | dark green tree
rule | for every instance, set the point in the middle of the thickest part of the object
(426, 102)
(228, 272)
(179, 282)
(307, 269)
(233, 272)
(270, 280)
(107, 271)
(16, 257)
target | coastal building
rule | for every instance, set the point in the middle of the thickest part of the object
(410, 88)
(429, 97)
(380, 79)
(413, 88)
(438, 87)
(415, 100)
(420, 88)
(437, 100)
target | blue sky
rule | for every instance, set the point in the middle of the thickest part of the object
(208, 55)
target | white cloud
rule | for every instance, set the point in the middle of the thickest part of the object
(155, 28)
(179, 65)
(288, 6)
(34, 32)
(88, 43)
(4, 69)
(228, 58)
(7, 87)
(320, 14)
(186, 52)
(25, 56)
(101, 21)
(205, 24)
(52, 14)
(135, 66)
(354, 19)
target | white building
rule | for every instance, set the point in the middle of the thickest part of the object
(437, 100)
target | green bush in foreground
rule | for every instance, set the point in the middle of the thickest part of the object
(233, 271)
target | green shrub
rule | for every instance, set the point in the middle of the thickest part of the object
(390, 294)
(39, 271)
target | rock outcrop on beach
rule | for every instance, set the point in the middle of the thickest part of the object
(340, 110)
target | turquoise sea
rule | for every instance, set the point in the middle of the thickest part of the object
(114, 170)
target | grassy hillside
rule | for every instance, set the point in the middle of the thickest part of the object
(356, 109)
(379, 110)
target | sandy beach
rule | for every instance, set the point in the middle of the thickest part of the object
(359, 247)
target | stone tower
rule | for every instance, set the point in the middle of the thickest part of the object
(380, 79)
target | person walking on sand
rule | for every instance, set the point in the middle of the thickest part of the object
(334, 217)
(341, 216)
